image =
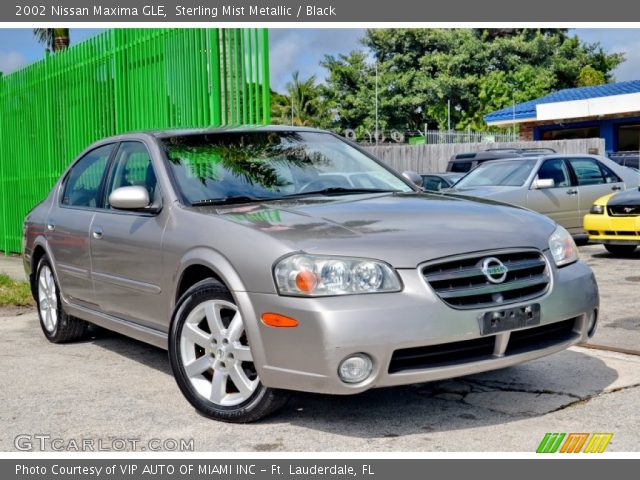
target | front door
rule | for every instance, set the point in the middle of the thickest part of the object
(561, 202)
(126, 245)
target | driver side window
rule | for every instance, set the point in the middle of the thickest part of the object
(556, 170)
(82, 185)
(132, 167)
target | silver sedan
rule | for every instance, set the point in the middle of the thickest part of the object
(276, 259)
(563, 187)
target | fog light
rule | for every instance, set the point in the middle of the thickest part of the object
(593, 323)
(356, 368)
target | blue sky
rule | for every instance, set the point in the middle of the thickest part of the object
(302, 49)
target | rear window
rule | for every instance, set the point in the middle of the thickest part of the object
(460, 167)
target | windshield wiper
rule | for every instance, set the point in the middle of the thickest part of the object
(340, 191)
(325, 191)
(228, 200)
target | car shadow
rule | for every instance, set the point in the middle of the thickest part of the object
(634, 256)
(148, 355)
(529, 390)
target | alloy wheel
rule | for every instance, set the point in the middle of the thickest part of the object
(215, 354)
(47, 299)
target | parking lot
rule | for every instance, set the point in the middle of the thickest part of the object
(113, 387)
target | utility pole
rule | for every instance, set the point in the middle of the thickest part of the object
(449, 115)
(376, 101)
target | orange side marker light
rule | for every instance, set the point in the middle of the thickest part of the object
(279, 321)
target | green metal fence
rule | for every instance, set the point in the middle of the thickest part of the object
(119, 81)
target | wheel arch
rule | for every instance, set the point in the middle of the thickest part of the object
(40, 249)
(200, 263)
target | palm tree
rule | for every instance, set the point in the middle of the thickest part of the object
(52, 38)
(303, 95)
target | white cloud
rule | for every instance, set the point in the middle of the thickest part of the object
(630, 69)
(10, 61)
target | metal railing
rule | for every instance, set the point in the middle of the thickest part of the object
(434, 137)
(121, 80)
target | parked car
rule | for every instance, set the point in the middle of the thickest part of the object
(465, 162)
(243, 252)
(434, 182)
(563, 187)
(628, 159)
(614, 221)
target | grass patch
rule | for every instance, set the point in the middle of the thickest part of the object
(13, 293)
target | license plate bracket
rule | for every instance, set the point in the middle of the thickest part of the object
(509, 319)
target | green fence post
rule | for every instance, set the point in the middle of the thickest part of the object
(266, 93)
(3, 186)
(214, 72)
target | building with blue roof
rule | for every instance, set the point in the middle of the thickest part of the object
(610, 111)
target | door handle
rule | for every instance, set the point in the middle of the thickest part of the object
(97, 233)
(51, 227)
(572, 192)
(616, 187)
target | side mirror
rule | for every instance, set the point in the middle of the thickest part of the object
(413, 177)
(129, 198)
(541, 183)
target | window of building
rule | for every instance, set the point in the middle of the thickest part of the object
(571, 133)
(629, 138)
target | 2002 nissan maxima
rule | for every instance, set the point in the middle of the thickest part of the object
(276, 259)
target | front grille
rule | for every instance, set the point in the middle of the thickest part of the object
(624, 210)
(478, 349)
(611, 233)
(545, 336)
(442, 355)
(461, 283)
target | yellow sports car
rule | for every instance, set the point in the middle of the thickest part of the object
(614, 220)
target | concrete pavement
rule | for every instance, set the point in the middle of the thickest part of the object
(111, 386)
(12, 266)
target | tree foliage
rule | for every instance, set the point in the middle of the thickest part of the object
(53, 39)
(589, 76)
(478, 70)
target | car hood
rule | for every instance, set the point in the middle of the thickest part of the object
(629, 197)
(484, 192)
(401, 229)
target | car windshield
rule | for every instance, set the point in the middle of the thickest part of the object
(221, 167)
(511, 173)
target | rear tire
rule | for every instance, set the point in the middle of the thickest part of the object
(620, 250)
(211, 360)
(56, 325)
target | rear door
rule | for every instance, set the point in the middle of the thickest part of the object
(69, 221)
(594, 179)
(561, 202)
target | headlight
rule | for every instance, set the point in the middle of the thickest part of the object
(562, 247)
(597, 209)
(315, 275)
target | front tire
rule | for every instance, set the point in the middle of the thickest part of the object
(56, 325)
(621, 250)
(211, 360)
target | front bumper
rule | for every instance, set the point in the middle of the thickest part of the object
(307, 357)
(613, 230)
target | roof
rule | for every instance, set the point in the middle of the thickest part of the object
(246, 128)
(527, 110)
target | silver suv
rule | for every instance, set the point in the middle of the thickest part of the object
(275, 259)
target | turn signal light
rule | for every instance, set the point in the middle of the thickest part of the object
(277, 320)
